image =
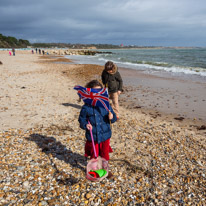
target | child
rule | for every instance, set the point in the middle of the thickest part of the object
(99, 119)
(112, 79)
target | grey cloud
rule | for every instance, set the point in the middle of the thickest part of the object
(149, 22)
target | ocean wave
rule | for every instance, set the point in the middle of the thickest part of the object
(164, 64)
(141, 65)
(144, 65)
(185, 70)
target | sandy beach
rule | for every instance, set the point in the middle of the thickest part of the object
(156, 159)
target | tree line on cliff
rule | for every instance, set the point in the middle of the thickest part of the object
(10, 42)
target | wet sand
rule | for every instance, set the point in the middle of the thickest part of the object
(168, 95)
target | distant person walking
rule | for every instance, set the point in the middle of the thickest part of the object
(112, 79)
(39, 51)
(10, 53)
(36, 50)
(13, 50)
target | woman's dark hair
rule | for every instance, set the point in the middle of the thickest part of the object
(93, 83)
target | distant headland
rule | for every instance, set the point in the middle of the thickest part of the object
(12, 42)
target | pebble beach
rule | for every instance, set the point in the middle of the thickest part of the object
(155, 161)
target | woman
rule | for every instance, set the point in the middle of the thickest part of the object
(112, 79)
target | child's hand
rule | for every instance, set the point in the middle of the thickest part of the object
(89, 126)
(79, 100)
(119, 92)
(110, 116)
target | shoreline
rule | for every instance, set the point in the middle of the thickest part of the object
(146, 99)
(160, 97)
(154, 161)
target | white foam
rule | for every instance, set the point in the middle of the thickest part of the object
(175, 69)
(185, 70)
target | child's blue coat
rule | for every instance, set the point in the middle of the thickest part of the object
(98, 117)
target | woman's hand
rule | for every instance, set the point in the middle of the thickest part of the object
(110, 116)
(89, 126)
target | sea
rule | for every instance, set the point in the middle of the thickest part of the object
(189, 63)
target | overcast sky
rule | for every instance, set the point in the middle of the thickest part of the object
(128, 22)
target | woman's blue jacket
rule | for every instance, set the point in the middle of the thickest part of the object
(98, 117)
